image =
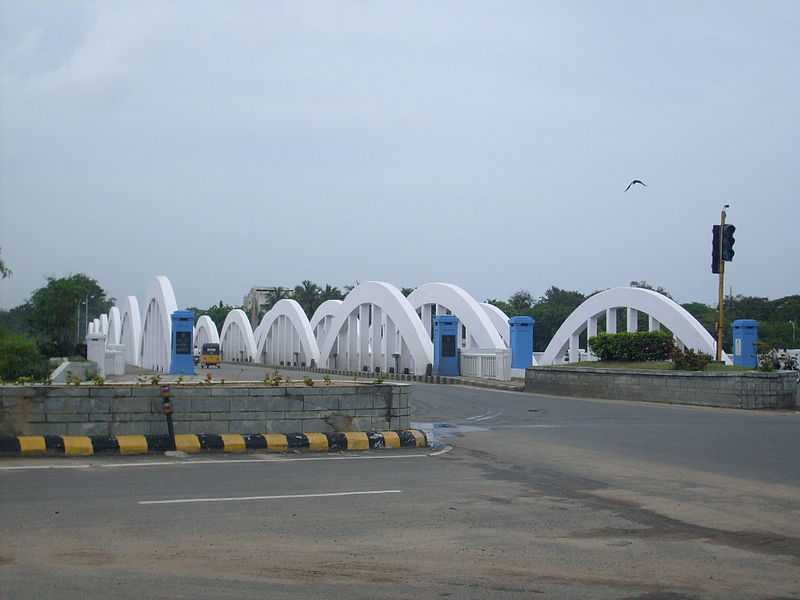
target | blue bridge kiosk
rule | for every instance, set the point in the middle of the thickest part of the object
(745, 343)
(182, 362)
(521, 342)
(445, 345)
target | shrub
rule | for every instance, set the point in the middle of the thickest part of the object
(633, 347)
(308, 381)
(327, 379)
(689, 360)
(20, 357)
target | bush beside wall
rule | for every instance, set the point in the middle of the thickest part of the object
(633, 347)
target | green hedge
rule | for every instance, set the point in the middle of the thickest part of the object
(633, 347)
(20, 357)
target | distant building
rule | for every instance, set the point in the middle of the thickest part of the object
(257, 299)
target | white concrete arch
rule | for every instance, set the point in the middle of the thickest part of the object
(236, 338)
(157, 325)
(286, 337)
(480, 331)
(114, 324)
(205, 332)
(499, 319)
(322, 319)
(661, 310)
(375, 326)
(130, 331)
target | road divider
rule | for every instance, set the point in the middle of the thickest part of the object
(194, 443)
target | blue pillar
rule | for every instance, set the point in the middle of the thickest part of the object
(445, 345)
(521, 341)
(182, 326)
(745, 343)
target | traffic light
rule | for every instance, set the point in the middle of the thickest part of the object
(715, 250)
(727, 242)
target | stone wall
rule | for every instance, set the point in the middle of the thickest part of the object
(733, 390)
(217, 408)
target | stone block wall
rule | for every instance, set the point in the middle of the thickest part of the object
(217, 408)
(733, 390)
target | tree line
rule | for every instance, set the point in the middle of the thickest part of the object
(52, 322)
(779, 319)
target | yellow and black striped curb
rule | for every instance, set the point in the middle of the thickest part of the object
(192, 443)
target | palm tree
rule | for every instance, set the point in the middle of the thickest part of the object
(350, 288)
(308, 295)
(330, 292)
(406, 291)
(273, 296)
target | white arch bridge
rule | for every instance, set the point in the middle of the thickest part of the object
(377, 329)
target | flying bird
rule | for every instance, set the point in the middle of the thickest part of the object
(639, 181)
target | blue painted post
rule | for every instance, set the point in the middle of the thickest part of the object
(521, 341)
(445, 345)
(745, 343)
(182, 362)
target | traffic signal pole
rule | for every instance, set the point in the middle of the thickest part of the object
(721, 320)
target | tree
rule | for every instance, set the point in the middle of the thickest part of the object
(549, 311)
(20, 357)
(406, 291)
(53, 311)
(307, 295)
(521, 301)
(4, 270)
(217, 312)
(18, 319)
(330, 293)
(273, 297)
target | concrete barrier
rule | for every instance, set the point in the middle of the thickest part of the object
(752, 390)
(109, 410)
(190, 443)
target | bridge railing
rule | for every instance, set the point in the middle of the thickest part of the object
(486, 363)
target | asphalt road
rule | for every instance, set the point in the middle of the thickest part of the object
(539, 497)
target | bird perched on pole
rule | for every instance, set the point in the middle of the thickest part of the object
(635, 181)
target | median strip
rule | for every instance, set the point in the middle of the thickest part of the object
(191, 443)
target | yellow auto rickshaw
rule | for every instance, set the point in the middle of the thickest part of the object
(210, 356)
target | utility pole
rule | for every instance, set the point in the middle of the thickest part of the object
(721, 320)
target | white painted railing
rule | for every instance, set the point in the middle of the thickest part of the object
(487, 363)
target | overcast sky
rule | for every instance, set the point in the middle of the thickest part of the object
(485, 144)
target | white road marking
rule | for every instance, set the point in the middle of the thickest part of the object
(41, 467)
(283, 497)
(488, 416)
(440, 452)
(258, 459)
(476, 417)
